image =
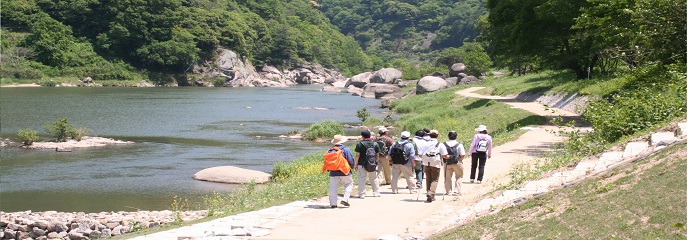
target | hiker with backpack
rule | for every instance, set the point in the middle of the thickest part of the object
(384, 142)
(480, 151)
(418, 140)
(402, 154)
(453, 164)
(431, 155)
(367, 164)
(338, 161)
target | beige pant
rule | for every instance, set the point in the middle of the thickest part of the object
(398, 169)
(386, 172)
(455, 170)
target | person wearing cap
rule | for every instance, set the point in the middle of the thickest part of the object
(453, 164)
(419, 140)
(405, 168)
(338, 177)
(383, 161)
(360, 150)
(479, 155)
(432, 166)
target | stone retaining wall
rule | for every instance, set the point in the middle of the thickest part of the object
(73, 226)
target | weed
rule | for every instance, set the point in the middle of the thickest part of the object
(324, 129)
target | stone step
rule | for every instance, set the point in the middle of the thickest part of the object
(662, 137)
(634, 148)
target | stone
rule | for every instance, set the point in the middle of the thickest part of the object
(38, 231)
(470, 80)
(386, 75)
(355, 91)
(106, 233)
(389, 237)
(53, 235)
(42, 224)
(112, 225)
(94, 234)
(10, 234)
(457, 68)
(634, 148)
(58, 227)
(231, 174)
(382, 91)
(73, 235)
(359, 80)
(659, 137)
(451, 81)
(429, 84)
(117, 231)
(13, 226)
(23, 235)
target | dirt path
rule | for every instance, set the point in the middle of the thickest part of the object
(406, 215)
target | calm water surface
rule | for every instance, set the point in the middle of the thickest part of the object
(178, 132)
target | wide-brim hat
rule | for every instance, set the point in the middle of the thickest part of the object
(338, 139)
(481, 128)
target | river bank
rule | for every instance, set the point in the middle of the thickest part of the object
(79, 225)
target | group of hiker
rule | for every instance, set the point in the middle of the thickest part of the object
(416, 158)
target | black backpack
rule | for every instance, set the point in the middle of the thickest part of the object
(453, 153)
(398, 154)
(382, 142)
(370, 158)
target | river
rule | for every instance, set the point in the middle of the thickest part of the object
(177, 131)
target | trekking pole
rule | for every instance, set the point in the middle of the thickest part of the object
(445, 179)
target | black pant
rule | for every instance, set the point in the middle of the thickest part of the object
(475, 157)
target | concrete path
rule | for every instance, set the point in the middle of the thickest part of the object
(393, 216)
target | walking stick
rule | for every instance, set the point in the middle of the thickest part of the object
(445, 178)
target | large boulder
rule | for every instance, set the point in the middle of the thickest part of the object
(470, 80)
(430, 84)
(382, 91)
(359, 80)
(452, 81)
(457, 68)
(386, 75)
(355, 91)
(229, 174)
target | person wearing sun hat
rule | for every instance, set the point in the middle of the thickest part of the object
(480, 151)
(338, 177)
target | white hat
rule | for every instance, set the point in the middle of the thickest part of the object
(405, 134)
(481, 128)
(338, 139)
(383, 129)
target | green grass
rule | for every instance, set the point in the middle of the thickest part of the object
(53, 81)
(554, 80)
(324, 129)
(645, 200)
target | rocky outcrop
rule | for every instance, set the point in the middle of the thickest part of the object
(236, 72)
(229, 174)
(429, 84)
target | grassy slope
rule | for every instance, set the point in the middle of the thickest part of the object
(644, 200)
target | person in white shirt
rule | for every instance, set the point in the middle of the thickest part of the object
(431, 155)
(480, 151)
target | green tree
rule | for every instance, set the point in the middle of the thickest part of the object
(59, 129)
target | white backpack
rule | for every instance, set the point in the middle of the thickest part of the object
(432, 156)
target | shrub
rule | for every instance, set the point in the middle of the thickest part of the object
(77, 133)
(327, 128)
(59, 129)
(654, 95)
(27, 136)
(363, 114)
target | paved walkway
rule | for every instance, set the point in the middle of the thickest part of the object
(393, 216)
